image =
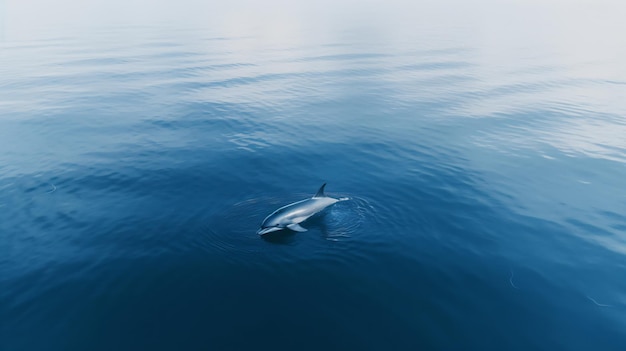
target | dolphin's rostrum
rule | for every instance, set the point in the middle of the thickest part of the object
(292, 215)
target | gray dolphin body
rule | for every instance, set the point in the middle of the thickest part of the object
(292, 215)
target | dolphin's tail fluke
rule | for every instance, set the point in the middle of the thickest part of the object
(320, 193)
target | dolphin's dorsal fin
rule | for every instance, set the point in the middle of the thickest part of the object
(320, 193)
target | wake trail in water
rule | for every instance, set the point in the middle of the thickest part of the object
(596, 302)
(511, 281)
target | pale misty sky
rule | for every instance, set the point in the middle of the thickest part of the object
(21, 19)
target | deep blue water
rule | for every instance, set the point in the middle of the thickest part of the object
(486, 175)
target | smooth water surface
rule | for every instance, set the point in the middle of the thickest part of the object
(484, 156)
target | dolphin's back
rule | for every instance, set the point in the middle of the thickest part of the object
(300, 210)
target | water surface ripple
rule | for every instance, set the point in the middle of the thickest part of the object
(486, 205)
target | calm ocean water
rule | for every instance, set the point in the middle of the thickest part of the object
(485, 161)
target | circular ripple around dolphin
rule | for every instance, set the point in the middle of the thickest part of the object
(344, 219)
(333, 235)
(232, 227)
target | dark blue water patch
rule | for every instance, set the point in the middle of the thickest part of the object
(149, 305)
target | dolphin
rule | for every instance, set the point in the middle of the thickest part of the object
(292, 215)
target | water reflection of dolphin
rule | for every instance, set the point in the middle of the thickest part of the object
(292, 215)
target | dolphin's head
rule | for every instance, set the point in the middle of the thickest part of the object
(265, 230)
(270, 224)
